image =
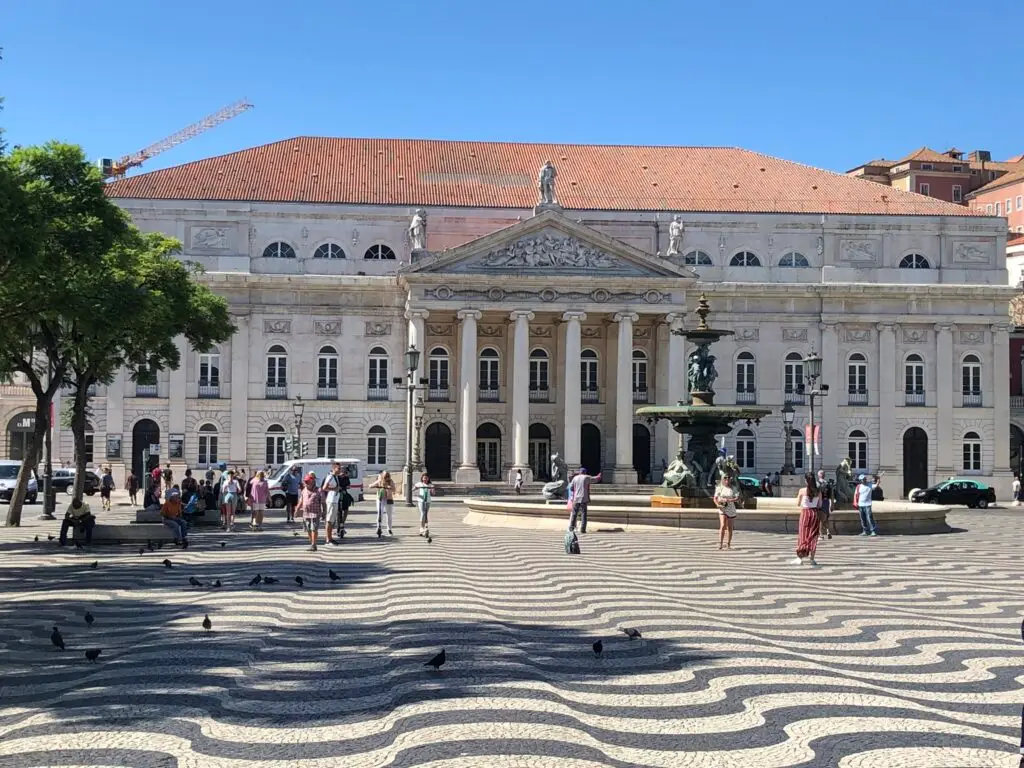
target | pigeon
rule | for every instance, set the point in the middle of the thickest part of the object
(89, 619)
(167, 563)
(598, 648)
(223, 544)
(269, 580)
(142, 551)
(429, 540)
(437, 661)
(194, 581)
(36, 539)
(93, 653)
(300, 581)
(50, 538)
(217, 584)
(295, 533)
(378, 533)
(94, 564)
(56, 639)
(632, 633)
(335, 577)
(255, 580)
(207, 624)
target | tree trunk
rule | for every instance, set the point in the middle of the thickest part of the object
(30, 461)
(78, 421)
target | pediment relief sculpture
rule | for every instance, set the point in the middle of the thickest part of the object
(547, 250)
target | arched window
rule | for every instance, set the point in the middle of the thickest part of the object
(539, 376)
(439, 368)
(377, 377)
(745, 449)
(746, 379)
(793, 378)
(914, 261)
(972, 452)
(275, 444)
(913, 370)
(798, 448)
(377, 447)
(745, 259)
(329, 251)
(209, 373)
(857, 379)
(697, 259)
(857, 450)
(327, 373)
(207, 446)
(639, 376)
(277, 373)
(379, 251)
(970, 371)
(588, 375)
(279, 250)
(326, 442)
(489, 373)
(794, 259)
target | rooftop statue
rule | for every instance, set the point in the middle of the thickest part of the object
(418, 230)
(546, 184)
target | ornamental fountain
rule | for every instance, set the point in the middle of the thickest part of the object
(699, 462)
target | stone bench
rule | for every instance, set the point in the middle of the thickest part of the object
(144, 516)
(128, 533)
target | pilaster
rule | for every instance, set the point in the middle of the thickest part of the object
(945, 464)
(468, 471)
(571, 388)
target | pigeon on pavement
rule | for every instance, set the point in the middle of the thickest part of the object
(57, 639)
(217, 584)
(598, 648)
(334, 576)
(89, 618)
(300, 581)
(222, 545)
(207, 624)
(142, 550)
(94, 564)
(437, 661)
(50, 538)
(270, 580)
(93, 653)
(194, 581)
(632, 633)
(167, 563)
(36, 538)
(255, 580)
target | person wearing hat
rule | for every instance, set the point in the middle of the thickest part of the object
(579, 495)
(311, 505)
(230, 493)
(862, 500)
(172, 513)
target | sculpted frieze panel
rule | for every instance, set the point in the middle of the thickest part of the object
(590, 332)
(914, 335)
(491, 331)
(747, 334)
(971, 253)
(972, 336)
(858, 335)
(327, 327)
(859, 252)
(277, 326)
(550, 252)
(440, 329)
(794, 334)
(377, 329)
(547, 295)
(540, 331)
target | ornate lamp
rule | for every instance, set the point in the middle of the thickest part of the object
(787, 415)
(298, 407)
(412, 358)
(787, 418)
(812, 366)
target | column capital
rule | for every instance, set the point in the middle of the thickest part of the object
(619, 317)
(467, 314)
(674, 320)
(945, 327)
(577, 316)
(417, 314)
(1002, 327)
(521, 314)
(827, 326)
(886, 327)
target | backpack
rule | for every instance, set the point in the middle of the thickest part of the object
(572, 543)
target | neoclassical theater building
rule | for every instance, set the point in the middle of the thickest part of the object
(543, 300)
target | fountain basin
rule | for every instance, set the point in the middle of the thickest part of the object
(635, 512)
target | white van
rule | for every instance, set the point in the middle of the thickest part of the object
(9, 478)
(319, 467)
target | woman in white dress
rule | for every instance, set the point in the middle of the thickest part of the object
(726, 496)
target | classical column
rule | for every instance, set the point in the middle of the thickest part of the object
(521, 392)
(888, 440)
(624, 471)
(240, 392)
(468, 471)
(571, 390)
(831, 445)
(115, 426)
(176, 408)
(946, 451)
(1002, 474)
(671, 359)
(417, 336)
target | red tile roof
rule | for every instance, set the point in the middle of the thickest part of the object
(1000, 181)
(503, 175)
(926, 155)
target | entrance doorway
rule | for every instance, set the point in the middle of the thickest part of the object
(438, 451)
(488, 451)
(642, 453)
(20, 431)
(144, 434)
(590, 448)
(540, 451)
(915, 459)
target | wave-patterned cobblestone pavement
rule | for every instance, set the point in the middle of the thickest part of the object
(898, 652)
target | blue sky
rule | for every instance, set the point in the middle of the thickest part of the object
(828, 84)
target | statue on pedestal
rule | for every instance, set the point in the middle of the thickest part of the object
(418, 230)
(675, 235)
(679, 475)
(546, 184)
(559, 479)
(844, 482)
(701, 370)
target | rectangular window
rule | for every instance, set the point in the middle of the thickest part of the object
(915, 379)
(327, 372)
(275, 449)
(377, 450)
(972, 456)
(588, 375)
(926, 166)
(277, 371)
(958, 193)
(999, 209)
(988, 209)
(858, 378)
(639, 375)
(538, 375)
(88, 447)
(1020, 202)
(326, 446)
(745, 453)
(1009, 206)
(972, 379)
(378, 373)
(208, 450)
(438, 373)
(209, 370)
(745, 376)
(489, 373)
(924, 189)
(858, 452)
(794, 378)
(958, 169)
(798, 450)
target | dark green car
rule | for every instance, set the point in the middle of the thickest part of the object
(957, 490)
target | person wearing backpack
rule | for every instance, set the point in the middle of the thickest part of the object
(828, 499)
(106, 486)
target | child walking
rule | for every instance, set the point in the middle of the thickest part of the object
(311, 505)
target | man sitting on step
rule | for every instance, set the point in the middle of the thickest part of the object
(79, 515)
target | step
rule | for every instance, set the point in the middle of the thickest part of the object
(130, 533)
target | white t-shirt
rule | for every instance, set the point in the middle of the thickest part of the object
(864, 494)
(333, 489)
(1016, 488)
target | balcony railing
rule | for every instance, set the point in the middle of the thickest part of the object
(489, 395)
(145, 390)
(914, 398)
(972, 400)
(796, 398)
(639, 395)
(858, 397)
(376, 393)
(746, 397)
(326, 393)
(1017, 402)
(209, 390)
(588, 396)
(540, 395)
(277, 392)
(437, 394)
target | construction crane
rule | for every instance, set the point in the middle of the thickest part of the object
(116, 169)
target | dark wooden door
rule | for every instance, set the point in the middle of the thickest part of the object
(915, 459)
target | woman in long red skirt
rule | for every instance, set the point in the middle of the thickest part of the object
(809, 501)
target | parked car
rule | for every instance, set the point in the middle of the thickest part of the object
(321, 468)
(750, 486)
(9, 478)
(956, 490)
(64, 480)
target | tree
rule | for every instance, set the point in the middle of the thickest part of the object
(151, 299)
(56, 227)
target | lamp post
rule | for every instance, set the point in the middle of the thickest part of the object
(412, 364)
(787, 419)
(812, 372)
(49, 495)
(298, 408)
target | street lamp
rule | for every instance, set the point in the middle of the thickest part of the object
(787, 419)
(418, 409)
(412, 364)
(812, 372)
(298, 408)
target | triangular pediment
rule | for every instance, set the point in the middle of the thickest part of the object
(548, 244)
